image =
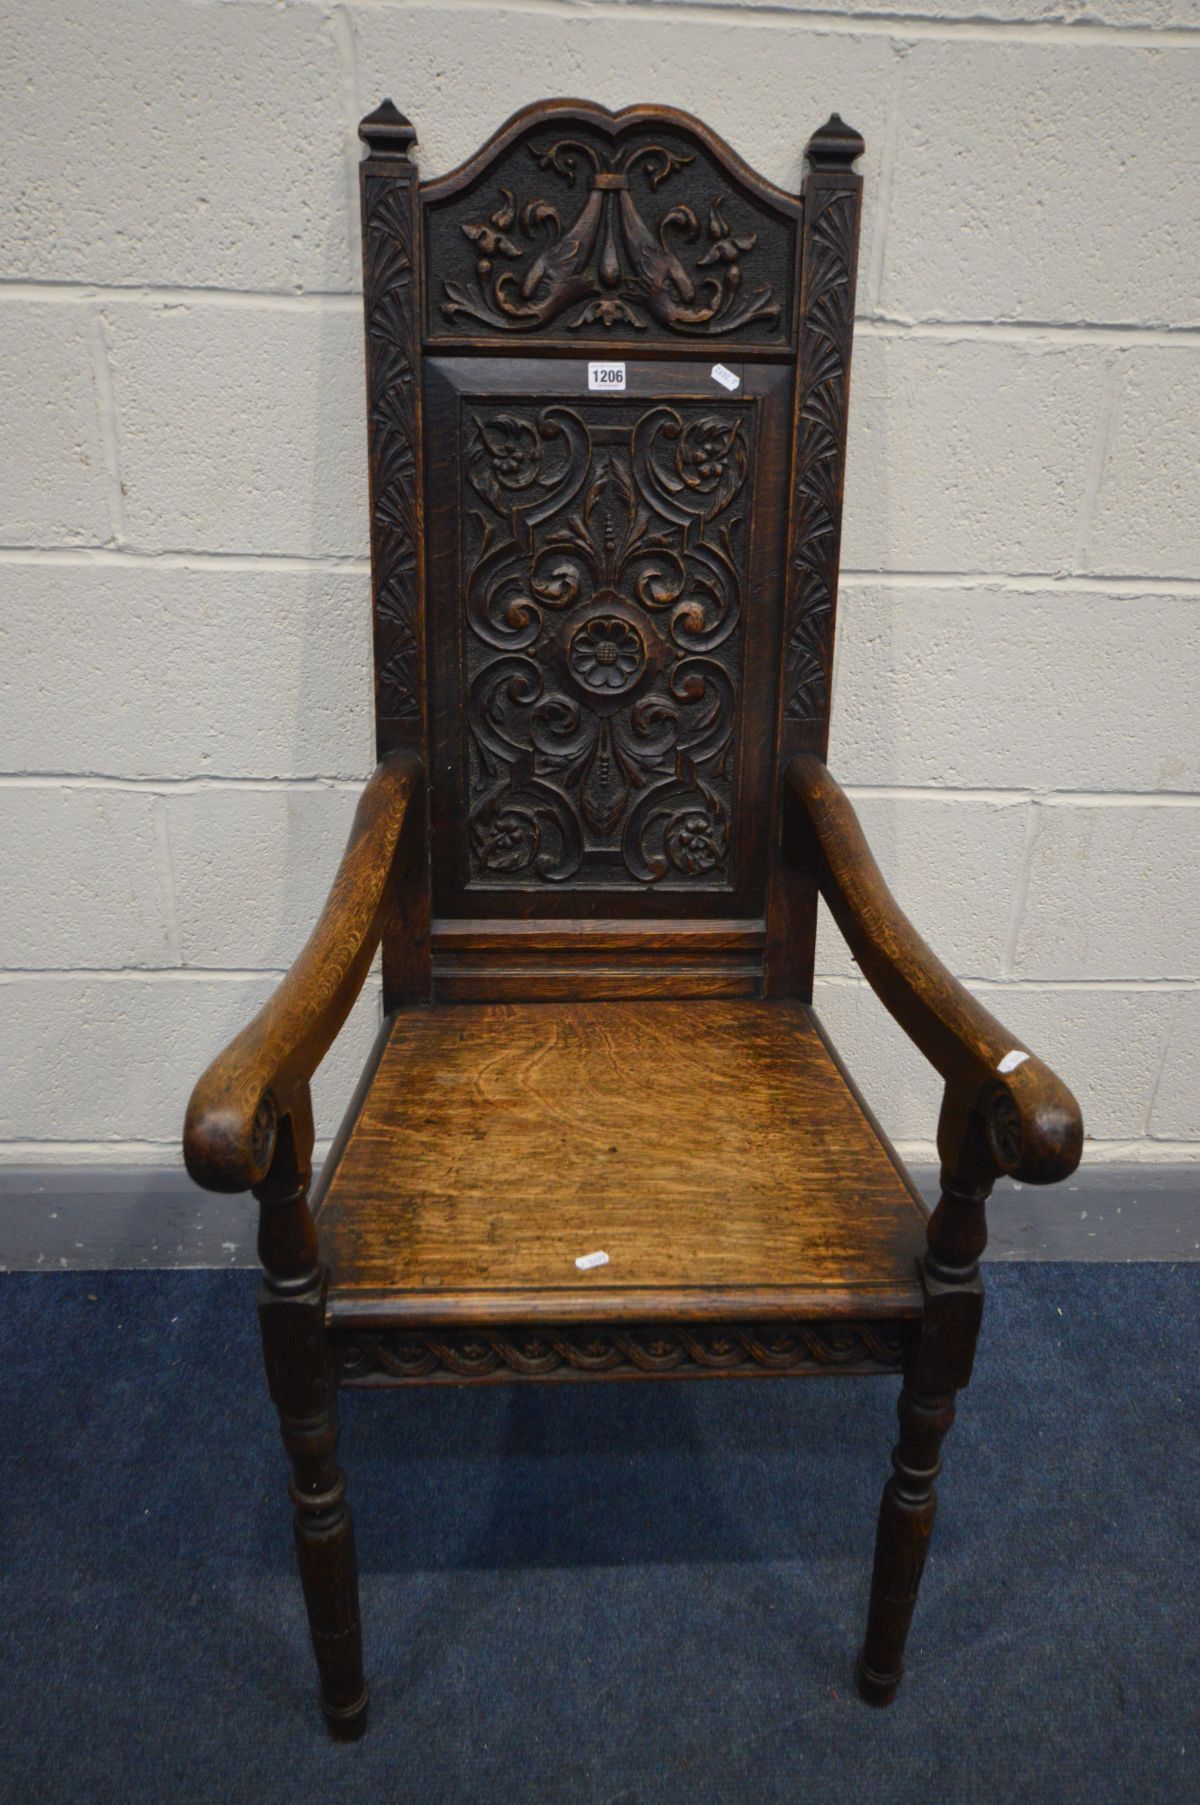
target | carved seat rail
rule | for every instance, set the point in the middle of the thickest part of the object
(637, 1350)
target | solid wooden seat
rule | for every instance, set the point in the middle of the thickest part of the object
(713, 1150)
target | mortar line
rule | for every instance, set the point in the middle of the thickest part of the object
(196, 784)
(338, 563)
(1013, 986)
(1021, 890)
(168, 295)
(1048, 798)
(345, 45)
(116, 557)
(174, 786)
(882, 200)
(106, 419)
(1030, 582)
(873, 324)
(149, 1152)
(1037, 332)
(165, 863)
(188, 974)
(1110, 398)
(1162, 1066)
(120, 974)
(1098, 1150)
(881, 22)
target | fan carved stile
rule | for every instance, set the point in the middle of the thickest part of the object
(394, 364)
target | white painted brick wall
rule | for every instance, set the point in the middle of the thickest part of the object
(60, 496)
(241, 429)
(184, 638)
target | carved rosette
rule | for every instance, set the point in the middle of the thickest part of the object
(602, 585)
(397, 1356)
(392, 374)
(826, 332)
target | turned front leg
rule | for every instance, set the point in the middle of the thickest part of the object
(939, 1367)
(300, 1377)
(902, 1541)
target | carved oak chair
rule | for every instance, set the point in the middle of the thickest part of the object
(607, 374)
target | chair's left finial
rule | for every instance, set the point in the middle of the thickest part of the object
(386, 132)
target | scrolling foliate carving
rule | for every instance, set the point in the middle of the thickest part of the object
(597, 251)
(826, 334)
(684, 1349)
(393, 355)
(603, 588)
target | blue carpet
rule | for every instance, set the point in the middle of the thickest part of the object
(646, 1593)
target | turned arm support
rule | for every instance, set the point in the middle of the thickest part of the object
(1027, 1117)
(262, 1077)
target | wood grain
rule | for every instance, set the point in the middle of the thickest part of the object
(711, 1149)
(230, 1130)
(543, 961)
(1035, 1130)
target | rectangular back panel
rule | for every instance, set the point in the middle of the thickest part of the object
(603, 625)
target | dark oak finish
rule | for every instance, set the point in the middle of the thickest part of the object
(564, 1351)
(593, 849)
(303, 1387)
(595, 700)
(827, 277)
(392, 298)
(574, 225)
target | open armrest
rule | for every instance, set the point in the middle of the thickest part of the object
(229, 1134)
(1034, 1125)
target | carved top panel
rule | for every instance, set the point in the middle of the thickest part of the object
(575, 225)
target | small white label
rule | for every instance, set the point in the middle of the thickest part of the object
(1012, 1060)
(586, 1261)
(606, 376)
(725, 377)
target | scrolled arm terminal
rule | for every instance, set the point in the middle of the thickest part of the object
(262, 1075)
(1033, 1123)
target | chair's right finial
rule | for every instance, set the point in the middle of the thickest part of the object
(835, 144)
(386, 132)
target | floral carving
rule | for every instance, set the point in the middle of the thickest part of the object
(603, 596)
(696, 841)
(684, 1349)
(607, 653)
(505, 839)
(610, 263)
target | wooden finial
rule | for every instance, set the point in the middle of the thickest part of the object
(835, 144)
(386, 132)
